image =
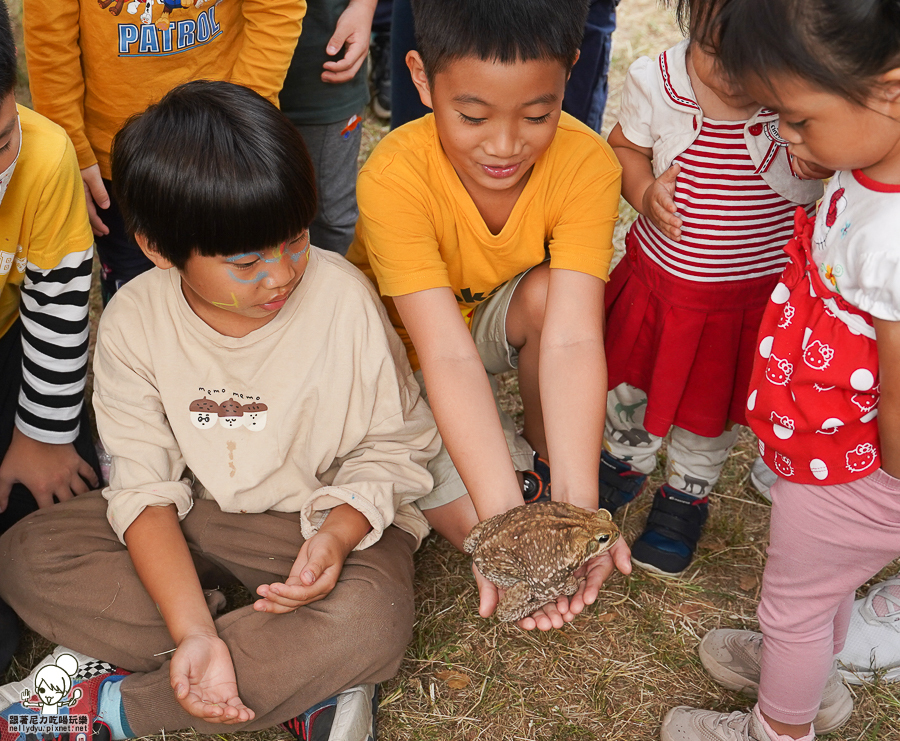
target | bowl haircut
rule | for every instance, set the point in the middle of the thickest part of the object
(504, 31)
(212, 169)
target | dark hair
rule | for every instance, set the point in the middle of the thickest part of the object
(838, 45)
(693, 14)
(7, 53)
(213, 169)
(504, 31)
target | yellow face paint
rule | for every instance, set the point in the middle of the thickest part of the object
(223, 305)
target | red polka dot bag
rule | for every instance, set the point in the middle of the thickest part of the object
(813, 398)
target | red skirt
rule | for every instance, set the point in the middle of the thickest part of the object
(688, 345)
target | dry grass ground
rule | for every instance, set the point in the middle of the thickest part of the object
(614, 672)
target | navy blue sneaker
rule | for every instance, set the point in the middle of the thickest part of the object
(536, 483)
(670, 536)
(619, 482)
(350, 716)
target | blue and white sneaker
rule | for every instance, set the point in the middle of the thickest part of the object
(872, 649)
(59, 697)
(350, 716)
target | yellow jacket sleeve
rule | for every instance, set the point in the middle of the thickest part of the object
(271, 30)
(54, 68)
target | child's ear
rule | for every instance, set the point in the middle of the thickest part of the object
(890, 87)
(577, 57)
(151, 254)
(419, 78)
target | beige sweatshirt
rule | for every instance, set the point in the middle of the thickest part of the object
(315, 409)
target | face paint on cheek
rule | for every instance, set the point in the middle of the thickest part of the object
(256, 279)
(223, 305)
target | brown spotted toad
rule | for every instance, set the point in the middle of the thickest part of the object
(532, 551)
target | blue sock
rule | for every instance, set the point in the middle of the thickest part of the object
(111, 710)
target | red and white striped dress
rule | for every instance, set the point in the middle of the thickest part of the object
(683, 316)
(735, 225)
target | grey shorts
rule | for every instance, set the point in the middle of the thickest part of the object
(489, 332)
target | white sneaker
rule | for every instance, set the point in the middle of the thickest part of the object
(873, 640)
(732, 659)
(691, 724)
(350, 716)
(763, 478)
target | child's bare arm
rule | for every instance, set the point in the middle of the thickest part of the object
(202, 673)
(887, 336)
(318, 566)
(573, 384)
(650, 196)
(461, 400)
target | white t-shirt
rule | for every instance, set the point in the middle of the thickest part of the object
(856, 243)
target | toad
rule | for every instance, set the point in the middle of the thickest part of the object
(533, 551)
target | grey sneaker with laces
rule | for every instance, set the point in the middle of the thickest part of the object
(732, 659)
(691, 724)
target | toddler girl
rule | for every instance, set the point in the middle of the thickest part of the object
(716, 191)
(825, 390)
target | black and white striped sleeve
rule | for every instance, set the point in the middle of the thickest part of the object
(55, 330)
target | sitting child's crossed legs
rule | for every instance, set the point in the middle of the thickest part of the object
(71, 580)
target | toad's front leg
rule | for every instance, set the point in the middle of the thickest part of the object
(519, 601)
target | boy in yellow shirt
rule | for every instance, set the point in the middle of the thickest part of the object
(459, 212)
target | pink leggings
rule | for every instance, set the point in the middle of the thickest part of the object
(825, 542)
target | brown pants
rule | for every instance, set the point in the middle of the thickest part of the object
(66, 574)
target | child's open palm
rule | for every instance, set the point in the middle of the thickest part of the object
(313, 575)
(202, 675)
(659, 203)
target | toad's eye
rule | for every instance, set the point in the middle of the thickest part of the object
(603, 538)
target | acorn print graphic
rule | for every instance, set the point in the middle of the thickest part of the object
(254, 416)
(204, 413)
(230, 414)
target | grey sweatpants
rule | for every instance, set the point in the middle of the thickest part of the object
(334, 153)
(66, 574)
(693, 464)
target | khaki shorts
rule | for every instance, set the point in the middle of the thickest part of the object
(489, 332)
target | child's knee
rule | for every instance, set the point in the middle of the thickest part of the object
(529, 302)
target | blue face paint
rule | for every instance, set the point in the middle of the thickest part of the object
(244, 256)
(256, 279)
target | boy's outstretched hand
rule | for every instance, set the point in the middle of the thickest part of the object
(312, 577)
(202, 675)
(556, 614)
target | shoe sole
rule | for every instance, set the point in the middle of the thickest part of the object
(378, 110)
(656, 570)
(868, 677)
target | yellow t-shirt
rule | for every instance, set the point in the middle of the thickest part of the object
(418, 227)
(43, 216)
(92, 65)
